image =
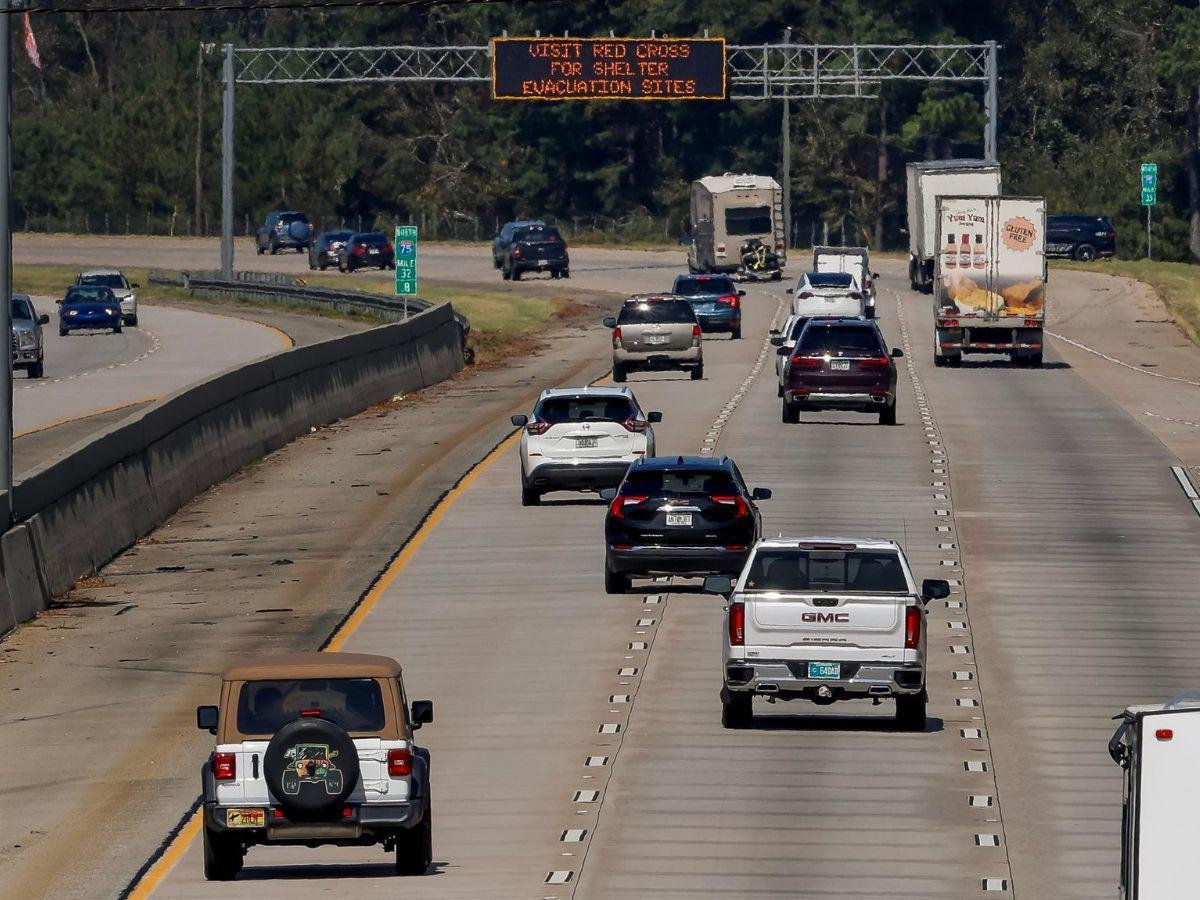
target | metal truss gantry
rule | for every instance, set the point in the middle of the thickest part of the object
(760, 72)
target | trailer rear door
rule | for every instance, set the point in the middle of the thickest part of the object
(1167, 797)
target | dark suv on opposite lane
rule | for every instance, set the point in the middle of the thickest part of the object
(1080, 237)
(284, 230)
(532, 247)
(841, 364)
(684, 515)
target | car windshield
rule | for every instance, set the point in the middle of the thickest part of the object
(374, 239)
(21, 308)
(648, 312)
(88, 295)
(690, 287)
(336, 237)
(355, 704)
(112, 279)
(537, 233)
(289, 218)
(838, 340)
(557, 410)
(679, 483)
(840, 571)
(748, 220)
(829, 279)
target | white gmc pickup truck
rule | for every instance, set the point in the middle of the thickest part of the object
(825, 619)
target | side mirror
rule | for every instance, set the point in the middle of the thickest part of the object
(874, 275)
(610, 321)
(774, 331)
(760, 494)
(783, 351)
(790, 291)
(207, 718)
(421, 713)
(608, 494)
(934, 589)
(519, 421)
(741, 293)
(718, 584)
(777, 340)
(654, 417)
(43, 319)
(897, 353)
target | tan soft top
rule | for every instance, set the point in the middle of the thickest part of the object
(314, 665)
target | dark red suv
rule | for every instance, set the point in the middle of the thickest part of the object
(841, 364)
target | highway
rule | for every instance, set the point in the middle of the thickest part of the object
(1045, 494)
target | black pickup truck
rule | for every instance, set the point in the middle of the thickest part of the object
(534, 247)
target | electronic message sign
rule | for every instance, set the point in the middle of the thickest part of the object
(554, 68)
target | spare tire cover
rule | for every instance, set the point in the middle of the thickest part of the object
(310, 766)
(298, 230)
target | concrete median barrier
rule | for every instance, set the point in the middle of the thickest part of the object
(77, 511)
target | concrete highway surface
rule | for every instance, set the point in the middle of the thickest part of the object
(1045, 496)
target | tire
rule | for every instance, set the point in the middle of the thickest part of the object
(737, 711)
(736, 334)
(313, 794)
(1034, 360)
(222, 857)
(116, 329)
(939, 361)
(955, 361)
(616, 582)
(790, 414)
(515, 274)
(910, 711)
(342, 267)
(38, 369)
(131, 321)
(1085, 253)
(698, 372)
(259, 250)
(414, 848)
(321, 267)
(506, 273)
(63, 332)
(620, 373)
(870, 312)
(530, 497)
(274, 248)
(566, 273)
(887, 416)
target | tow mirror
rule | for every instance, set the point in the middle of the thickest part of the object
(654, 417)
(608, 494)
(777, 341)
(934, 589)
(760, 494)
(43, 319)
(790, 291)
(610, 321)
(519, 421)
(421, 713)
(206, 718)
(718, 584)
(897, 353)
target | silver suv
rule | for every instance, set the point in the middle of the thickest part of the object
(28, 349)
(656, 331)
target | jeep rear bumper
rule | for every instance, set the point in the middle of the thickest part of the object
(789, 679)
(347, 824)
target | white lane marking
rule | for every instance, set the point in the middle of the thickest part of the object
(1171, 419)
(155, 346)
(618, 698)
(964, 676)
(559, 877)
(609, 728)
(995, 884)
(1113, 359)
(638, 645)
(572, 836)
(585, 797)
(966, 701)
(596, 761)
(975, 765)
(978, 800)
(970, 734)
(644, 623)
(959, 648)
(987, 840)
(627, 672)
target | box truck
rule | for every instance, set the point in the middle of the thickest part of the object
(926, 182)
(990, 278)
(1158, 747)
(728, 210)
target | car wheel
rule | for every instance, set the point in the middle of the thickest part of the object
(1085, 253)
(870, 312)
(62, 332)
(791, 414)
(566, 273)
(506, 273)
(616, 582)
(414, 848)
(342, 267)
(37, 370)
(736, 334)
(322, 267)
(910, 711)
(530, 497)
(259, 250)
(516, 274)
(1034, 360)
(116, 329)
(222, 857)
(887, 416)
(737, 711)
(274, 248)
(619, 373)
(939, 361)
(698, 372)
(954, 361)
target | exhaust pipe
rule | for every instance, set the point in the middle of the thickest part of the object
(768, 688)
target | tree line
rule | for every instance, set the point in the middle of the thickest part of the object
(123, 117)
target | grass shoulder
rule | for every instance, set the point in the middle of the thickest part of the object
(1177, 285)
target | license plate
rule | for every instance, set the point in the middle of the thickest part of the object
(586, 443)
(245, 818)
(824, 670)
(543, 262)
(657, 338)
(373, 251)
(679, 518)
(839, 365)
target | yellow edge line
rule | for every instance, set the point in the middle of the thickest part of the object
(155, 875)
(86, 415)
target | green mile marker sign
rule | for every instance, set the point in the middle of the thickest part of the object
(406, 260)
(1149, 184)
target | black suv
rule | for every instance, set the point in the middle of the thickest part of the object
(283, 230)
(504, 237)
(1080, 237)
(324, 250)
(684, 515)
(532, 247)
(369, 250)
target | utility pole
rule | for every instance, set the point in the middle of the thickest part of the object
(991, 104)
(6, 391)
(198, 203)
(226, 166)
(787, 146)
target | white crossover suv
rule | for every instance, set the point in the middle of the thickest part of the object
(582, 439)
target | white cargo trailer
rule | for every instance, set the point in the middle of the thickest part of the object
(990, 278)
(1158, 746)
(728, 210)
(927, 181)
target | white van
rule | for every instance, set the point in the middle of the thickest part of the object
(827, 294)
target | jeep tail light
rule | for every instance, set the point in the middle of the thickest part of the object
(912, 627)
(737, 624)
(617, 338)
(634, 424)
(224, 766)
(537, 426)
(740, 507)
(617, 508)
(729, 300)
(399, 762)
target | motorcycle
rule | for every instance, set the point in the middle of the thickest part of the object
(759, 262)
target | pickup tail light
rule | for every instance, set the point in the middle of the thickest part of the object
(634, 424)
(617, 508)
(740, 507)
(537, 426)
(730, 300)
(617, 338)
(224, 766)
(399, 762)
(912, 627)
(737, 624)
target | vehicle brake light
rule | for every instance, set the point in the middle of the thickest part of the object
(949, 323)
(720, 248)
(874, 362)
(730, 300)
(224, 766)
(399, 762)
(516, 252)
(537, 426)
(808, 362)
(310, 713)
(740, 506)
(360, 249)
(695, 331)
(912, 627)
(804, 295)
(1164, 734)
(387, 248)
(617, 338)
(634, 424)
(779, 245)
(737, 624)
(617, 508)
(1033, 323)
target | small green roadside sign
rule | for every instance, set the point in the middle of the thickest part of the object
(1149, 184)
(406, 260)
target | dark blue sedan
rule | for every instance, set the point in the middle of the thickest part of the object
(89, 306)
(715, 300)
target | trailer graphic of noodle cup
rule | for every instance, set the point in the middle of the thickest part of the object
(311, 764)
